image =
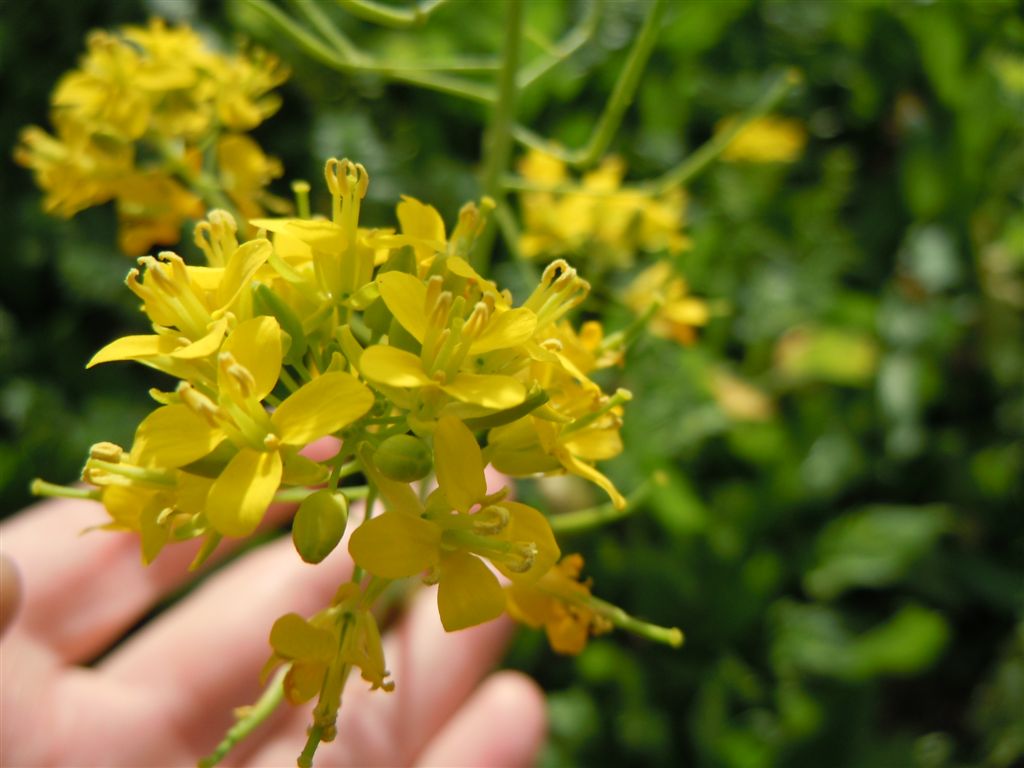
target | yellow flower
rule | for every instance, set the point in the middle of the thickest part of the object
(450, 540)
(765, 140)
(457, 350)
(133, 122)
(189, 305)
(74, 171)
(679, 315)
(558, 602)
(151, 209)
(245, 172)
(342, 256)
(602, 220)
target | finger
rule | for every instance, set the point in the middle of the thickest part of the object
(10, 592)
(205, 654)
(434, 672)
(501, 724)
(82, 592)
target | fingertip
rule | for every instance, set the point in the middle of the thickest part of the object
(503, 724)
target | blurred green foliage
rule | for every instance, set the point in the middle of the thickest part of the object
(847, 561)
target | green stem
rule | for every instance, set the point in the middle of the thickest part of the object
(297, 495)
(312, 742)
(573, 40)
(337, 60)
(714, 146)
(388, 16)
(498, 137)
(329, 30)
(40, 487)
(250, 719)
(672, 636)
(584, 520)
(619, 101)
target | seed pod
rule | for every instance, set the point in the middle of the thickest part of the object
(404, 458)
(319, 524)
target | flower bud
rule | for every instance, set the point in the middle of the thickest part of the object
(403, 458)
(319, 524)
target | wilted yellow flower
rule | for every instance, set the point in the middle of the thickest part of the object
(558, 602)
(765, 140)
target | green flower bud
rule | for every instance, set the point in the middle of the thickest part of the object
(404, 458)
(319, 524)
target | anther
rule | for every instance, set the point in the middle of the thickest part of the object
(491, 520)
(106, 452)
(526, 552)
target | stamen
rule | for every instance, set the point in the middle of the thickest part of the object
(106, 452)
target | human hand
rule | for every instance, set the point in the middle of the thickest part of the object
(164, 697)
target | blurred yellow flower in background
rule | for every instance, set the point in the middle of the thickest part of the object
(765, 140)
(603, 220)
(143, 120)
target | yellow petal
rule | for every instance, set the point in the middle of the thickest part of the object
(322, 235)
(173, 436)
(406, 298)
(506, 329)
(295, 638)
(324, 405)
(490, 391)
(242, 265)
(526, 524)
(395, 545)
(240, 496)
(459, 465)
(468, 593)
(462, 268)
(394, 366)
(153, 535)
(205, 346)
(256, 345)
(304, 681)
(422, 222)
(134, 348)
(588, 472)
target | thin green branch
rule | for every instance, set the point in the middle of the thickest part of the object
(389, 16)
(320, 50)
(614, 110)
(713, 147)
(329, 31)
(573, 40)
(584, 520)
(681, 174)
(249, 718)
(498, 137)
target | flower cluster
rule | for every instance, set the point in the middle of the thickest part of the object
(393, 344)
(156, 121)
(601, 218)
